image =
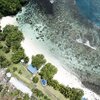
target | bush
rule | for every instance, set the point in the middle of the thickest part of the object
(2, 36)
(1, 46)
(48, 71)
(38, 60)
(1, 87)
(8, 70)
(10, 7)
(39, 93)
(26, 59)
(20, 72)
(14, 69)
(26, 97)
(71, 93)
(35, 79)
(6, 49)
(17, 56)
(4, 62)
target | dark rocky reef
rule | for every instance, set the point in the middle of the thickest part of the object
(45, 5)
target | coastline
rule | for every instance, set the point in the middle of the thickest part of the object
(33, 47)
(62, 76)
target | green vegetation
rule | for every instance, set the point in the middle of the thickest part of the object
(10, 7)
(71, 93)
(12, 38)
(6, 49)
(1, 87)
(20, 72)
(1, 46)
(14, 69)
(26, 59)
(39, 93)
(26, 97)
(38, 60)
(12, 94)
(35, 79)
(17, 56)
(48, 71)
(4, 62)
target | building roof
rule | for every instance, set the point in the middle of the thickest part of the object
(8, 75)
(32, 69)
(43, 82)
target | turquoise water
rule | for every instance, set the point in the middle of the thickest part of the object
(62, 30)
(90, 9)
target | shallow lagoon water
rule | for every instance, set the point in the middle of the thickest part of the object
(60, 34)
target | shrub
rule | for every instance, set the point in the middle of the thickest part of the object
(26, 97)
(38, 60)
(71, 93)
(8, 70)
(14, 69)
(1, 46)
(1, 87)
(9, 7)
(48, 71)
(26, 59)
(20, 72)
(35, 79)
(17, 56)
(6, 49)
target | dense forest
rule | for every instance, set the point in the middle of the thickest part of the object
(11, 7)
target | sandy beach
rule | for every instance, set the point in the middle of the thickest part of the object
(32, 47)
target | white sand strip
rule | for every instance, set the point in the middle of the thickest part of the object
(8, 20)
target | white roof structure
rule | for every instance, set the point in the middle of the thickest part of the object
(8, 75)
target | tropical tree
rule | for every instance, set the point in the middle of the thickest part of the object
(35, 79)
(26, 97)
(48, 71)
(38, 60)
(14, 69)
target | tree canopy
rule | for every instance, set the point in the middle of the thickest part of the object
(10, 7)
(48, 71)
(35, 79)
(38, 60)
(17, 56)
(4, 62)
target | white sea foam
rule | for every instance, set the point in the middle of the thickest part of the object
(87, 43)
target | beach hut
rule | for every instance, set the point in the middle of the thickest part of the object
(43, 82)
(32, 69)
